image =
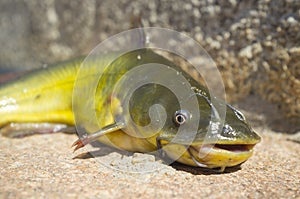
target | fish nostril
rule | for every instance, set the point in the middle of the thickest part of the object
(229, 132)
(240, 115)
(237, 113)
(227, 129)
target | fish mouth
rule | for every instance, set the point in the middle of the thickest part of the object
(220, 155)
(236, 148)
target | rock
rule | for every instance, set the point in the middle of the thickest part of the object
(295, 137)
(246, 52)
(241, 36)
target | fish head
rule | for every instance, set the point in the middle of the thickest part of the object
(216, 142)
(205, 137)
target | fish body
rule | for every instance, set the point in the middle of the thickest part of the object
(45, 96)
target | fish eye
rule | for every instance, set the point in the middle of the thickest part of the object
(181, 117)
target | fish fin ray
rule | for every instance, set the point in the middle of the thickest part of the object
(81, 142)
(159, 144)
(19, 130)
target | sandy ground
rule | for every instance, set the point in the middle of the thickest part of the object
(43, 166)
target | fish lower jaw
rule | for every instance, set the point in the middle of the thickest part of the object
(220, 155)
(230, 149)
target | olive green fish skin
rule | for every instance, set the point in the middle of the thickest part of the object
(46, 96)
(151, 94)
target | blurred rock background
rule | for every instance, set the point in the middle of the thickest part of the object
(255, 44)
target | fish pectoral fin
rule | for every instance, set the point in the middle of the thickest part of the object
(81, 142)
(19, 130)
(162, 140)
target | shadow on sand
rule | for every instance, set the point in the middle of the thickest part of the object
(104, 150)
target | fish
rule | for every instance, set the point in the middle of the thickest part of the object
(41, 102)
